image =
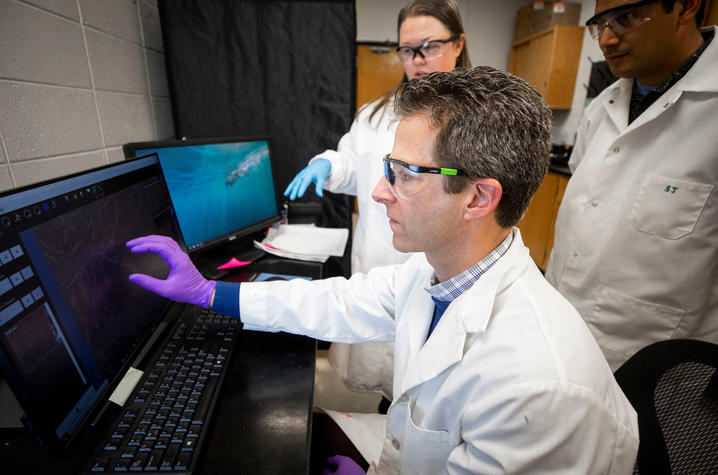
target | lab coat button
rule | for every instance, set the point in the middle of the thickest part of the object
(395, 444)
(616, 149)
(575, 254)
(594, 204)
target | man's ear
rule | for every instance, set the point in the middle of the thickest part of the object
(688, 11)
(485, 197)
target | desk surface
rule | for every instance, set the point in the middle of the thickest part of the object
(262, 421)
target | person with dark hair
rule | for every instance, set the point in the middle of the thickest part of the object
(635, 247)
(494, 370)
(431, 38)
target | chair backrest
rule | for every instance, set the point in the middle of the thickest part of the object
(673, 385)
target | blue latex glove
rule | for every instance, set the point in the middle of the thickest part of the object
(344, 466)
(316, 172)
(184, 283)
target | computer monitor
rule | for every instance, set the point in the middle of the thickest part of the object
(221, 189)
(70, 321)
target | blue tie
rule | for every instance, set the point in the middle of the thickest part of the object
(439, 310)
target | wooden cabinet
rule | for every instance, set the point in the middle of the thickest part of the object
(537, 225)
(548, 61)
(711, 13)
(378, 70)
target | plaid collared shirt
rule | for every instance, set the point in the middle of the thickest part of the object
(452, 288)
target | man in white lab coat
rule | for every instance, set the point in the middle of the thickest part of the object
(636, 239)
(494, 370)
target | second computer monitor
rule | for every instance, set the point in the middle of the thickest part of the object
(220, 188)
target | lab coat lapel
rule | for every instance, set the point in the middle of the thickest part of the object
(468, 314)
(618, 103)
(412, 329)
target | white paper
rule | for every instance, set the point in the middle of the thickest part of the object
(305, 242)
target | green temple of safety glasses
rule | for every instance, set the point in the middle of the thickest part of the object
(391, 176)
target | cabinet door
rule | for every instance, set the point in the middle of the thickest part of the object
(537, 223)
(378, 70)
(561, 182)
(711, 13)
(548, 61)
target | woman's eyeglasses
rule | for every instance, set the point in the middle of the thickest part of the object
(427, 50)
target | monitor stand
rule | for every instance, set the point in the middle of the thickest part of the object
(241, 249)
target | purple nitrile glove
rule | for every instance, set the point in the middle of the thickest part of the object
(184, 284)
(344, 466)
(316, 172)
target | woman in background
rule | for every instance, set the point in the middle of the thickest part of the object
(431, 38)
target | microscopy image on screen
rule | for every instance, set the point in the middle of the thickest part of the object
(85, 249)
(217, 189)
(46, 363)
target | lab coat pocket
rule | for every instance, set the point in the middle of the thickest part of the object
(668, 207)
(423, 450)
(624, 324)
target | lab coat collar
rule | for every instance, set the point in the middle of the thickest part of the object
(702, 77)
(470, 313)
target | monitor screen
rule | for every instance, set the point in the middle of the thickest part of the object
(220, 188)
(70, 321)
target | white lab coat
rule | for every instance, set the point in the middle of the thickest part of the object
(636, 238)
(510, 381)
(356, 169)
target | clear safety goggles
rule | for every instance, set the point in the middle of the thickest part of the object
(407, 179)
(621, 19)
(427, 50)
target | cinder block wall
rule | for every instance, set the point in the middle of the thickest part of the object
(78, 78)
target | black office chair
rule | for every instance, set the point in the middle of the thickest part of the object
(673, 385)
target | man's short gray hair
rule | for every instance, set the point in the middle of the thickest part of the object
(492, 125)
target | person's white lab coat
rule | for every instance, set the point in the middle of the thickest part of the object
(636, 237)
(356, 169)
(510, 380)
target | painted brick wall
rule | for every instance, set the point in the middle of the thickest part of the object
(78, 78)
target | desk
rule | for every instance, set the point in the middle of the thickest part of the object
(261, 423)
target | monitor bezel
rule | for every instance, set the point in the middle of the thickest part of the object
(57, 446)
(131, 148)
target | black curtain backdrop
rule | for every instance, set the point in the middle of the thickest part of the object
(282, 69)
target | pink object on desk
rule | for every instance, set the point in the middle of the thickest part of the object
(233, 262)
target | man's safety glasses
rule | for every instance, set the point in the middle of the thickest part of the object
(427, 50)
(621, 19)
(407, 179)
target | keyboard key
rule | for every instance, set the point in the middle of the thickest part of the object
(139, 462)
(168, 462)
(122, 465)
(111, 446)
(189, 444)
(101, 464)
(135, 441)
(155, 459)
(129, 452)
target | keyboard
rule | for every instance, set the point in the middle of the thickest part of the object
(162, 425)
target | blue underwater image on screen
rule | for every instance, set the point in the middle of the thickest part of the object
(217, 189)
